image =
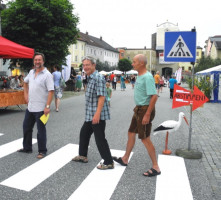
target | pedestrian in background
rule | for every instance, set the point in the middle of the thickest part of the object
(172, 82)
(161, 84)
(97, 112)
(145, 97)
(15, 83)
(38, 94)
(73, 79)
(157, 82)
(114, 82)
(84, 77)
(57, 89)
(21, 79)
(109, 92)
(132, 80)
(79, 82)
(122, 82)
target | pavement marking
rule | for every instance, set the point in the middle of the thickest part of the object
(12, 147)
(100, 184)
(173, 183)
(30, 177)
(1, 134)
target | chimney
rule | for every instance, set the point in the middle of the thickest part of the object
(101, 38)
(86, 33)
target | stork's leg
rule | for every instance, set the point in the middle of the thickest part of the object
(167, 151)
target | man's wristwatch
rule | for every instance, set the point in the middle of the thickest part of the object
(47, 106)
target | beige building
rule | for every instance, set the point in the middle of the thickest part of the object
(215, 51)
(149, 53)
(187, 66)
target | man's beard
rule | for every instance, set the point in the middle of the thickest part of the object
(38, 66)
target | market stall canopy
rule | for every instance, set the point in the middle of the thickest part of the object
(117, 72)
(9, 49)
(131, 72)
(103, 72)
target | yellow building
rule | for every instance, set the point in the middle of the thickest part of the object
(187, 66)
(77, 52)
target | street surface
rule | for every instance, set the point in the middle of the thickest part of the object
(56, 177)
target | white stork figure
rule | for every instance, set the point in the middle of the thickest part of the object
(170, 126)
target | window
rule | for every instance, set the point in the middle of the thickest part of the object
(197, 53)
(76, 58)
(76, 46)
(183, 68)
(101, 52)
(91, 51)
(189, 68)
(82, 47)
(95, 52)
(122, 54)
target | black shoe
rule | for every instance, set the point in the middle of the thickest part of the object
(24, 151)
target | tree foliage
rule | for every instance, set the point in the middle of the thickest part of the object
(124, 65)
(206, 63)
(48, 26)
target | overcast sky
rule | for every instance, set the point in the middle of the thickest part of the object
(130, 23)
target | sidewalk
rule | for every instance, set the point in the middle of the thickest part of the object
(206, 137)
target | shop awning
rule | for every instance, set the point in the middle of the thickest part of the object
(9, 49)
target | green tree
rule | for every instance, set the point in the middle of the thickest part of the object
(124, 65)
(48, 26)
(206, 63)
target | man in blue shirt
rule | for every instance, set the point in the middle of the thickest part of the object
(97, 111)
(172, 81)
(145, 96)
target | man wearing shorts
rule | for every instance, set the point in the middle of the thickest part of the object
(145, 97)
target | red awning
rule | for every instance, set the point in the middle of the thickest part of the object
(9, 49)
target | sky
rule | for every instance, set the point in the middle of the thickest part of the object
(130, 23)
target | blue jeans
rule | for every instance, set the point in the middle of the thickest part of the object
(28, 124)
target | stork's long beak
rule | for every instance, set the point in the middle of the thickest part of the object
(186, 120)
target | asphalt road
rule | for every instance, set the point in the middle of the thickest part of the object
(64, 127)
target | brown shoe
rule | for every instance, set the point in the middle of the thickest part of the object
(102, 166)
(82, 159)
(41, 155)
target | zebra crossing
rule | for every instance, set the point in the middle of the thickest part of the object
(96, 185)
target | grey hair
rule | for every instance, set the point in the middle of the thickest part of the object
(93, 61)
(142, 58)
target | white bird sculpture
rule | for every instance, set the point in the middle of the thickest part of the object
(169, 126)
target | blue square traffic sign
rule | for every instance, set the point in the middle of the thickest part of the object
(180, 46)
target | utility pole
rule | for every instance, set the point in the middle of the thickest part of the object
(2, 7)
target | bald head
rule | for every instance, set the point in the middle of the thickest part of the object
(141, 58)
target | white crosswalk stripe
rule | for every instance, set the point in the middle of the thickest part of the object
(1, 134)
(100, 184)
(11, 147)
(33, 175)
(173, 183)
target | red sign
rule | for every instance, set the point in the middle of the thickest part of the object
(183, 97)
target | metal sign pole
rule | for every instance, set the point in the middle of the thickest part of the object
(190, 153)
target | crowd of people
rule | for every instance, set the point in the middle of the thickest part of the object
(40, 86)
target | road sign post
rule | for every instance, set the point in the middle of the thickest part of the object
(181, 47)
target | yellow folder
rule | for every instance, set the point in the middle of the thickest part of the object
(44, 118)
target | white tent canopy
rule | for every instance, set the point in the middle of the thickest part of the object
(217, 68)
(103, 72)
(116, 72)
(131, 72)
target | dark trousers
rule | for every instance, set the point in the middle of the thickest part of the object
(99, 133)
(114, 85)
(28, 124)
(171, 93)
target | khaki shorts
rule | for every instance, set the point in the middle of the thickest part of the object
(136, 125)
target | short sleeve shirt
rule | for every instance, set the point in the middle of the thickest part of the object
(144, 89)
(57, 77)
(96, 87)
(39, 87)
(172, 81)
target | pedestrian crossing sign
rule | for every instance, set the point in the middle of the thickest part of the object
(180, 46)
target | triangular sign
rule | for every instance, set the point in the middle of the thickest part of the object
(180, 49)
(199, 98)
